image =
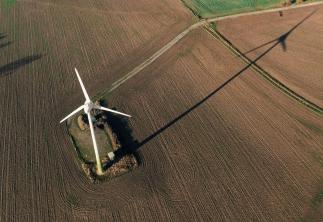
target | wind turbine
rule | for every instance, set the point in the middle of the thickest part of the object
(87, 107)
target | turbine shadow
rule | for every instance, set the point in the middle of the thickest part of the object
(2, 36)
(120, 126)
(277, 41)
(4, 44)
(9, 68)
(281, 39)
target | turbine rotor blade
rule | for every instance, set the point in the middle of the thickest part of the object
(72, 113)
(97, 157)
(111, 110)
(82, 86)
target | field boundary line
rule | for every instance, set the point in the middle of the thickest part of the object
(285, 89)
(177, 38)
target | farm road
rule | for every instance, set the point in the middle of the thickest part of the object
(160, 52)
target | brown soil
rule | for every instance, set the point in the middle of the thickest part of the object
(41, 42)
(245, 153)
(298, 61)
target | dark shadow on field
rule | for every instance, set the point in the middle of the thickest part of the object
(277, 42)
(120, 126)
(9, 68)
(4, 44)
(2, 36)
(281, 39)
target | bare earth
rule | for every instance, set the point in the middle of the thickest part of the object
(299, 65)
(242, 152)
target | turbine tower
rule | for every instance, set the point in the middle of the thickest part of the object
(87, 107)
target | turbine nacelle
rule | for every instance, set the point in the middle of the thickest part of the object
(88, 106)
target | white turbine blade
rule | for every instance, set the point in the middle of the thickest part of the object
(72, 113)
(82, 86)
(98, 161)
(111, 110)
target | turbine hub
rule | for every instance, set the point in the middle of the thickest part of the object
(88, 106)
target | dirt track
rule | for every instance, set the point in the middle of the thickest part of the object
(236, 156)
(201, 23)
(39, 170)
(236, 153)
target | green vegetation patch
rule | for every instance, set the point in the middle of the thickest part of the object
(84, 143)
(212, 8)
(112, 134)
(8, 3)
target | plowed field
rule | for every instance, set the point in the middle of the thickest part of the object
(243, 151)
(297, 60)
(210, 149)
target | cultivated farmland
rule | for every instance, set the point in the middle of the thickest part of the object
(41, 42)
(108, 39)
(297, 60)
(211, 149)
(257, 152)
